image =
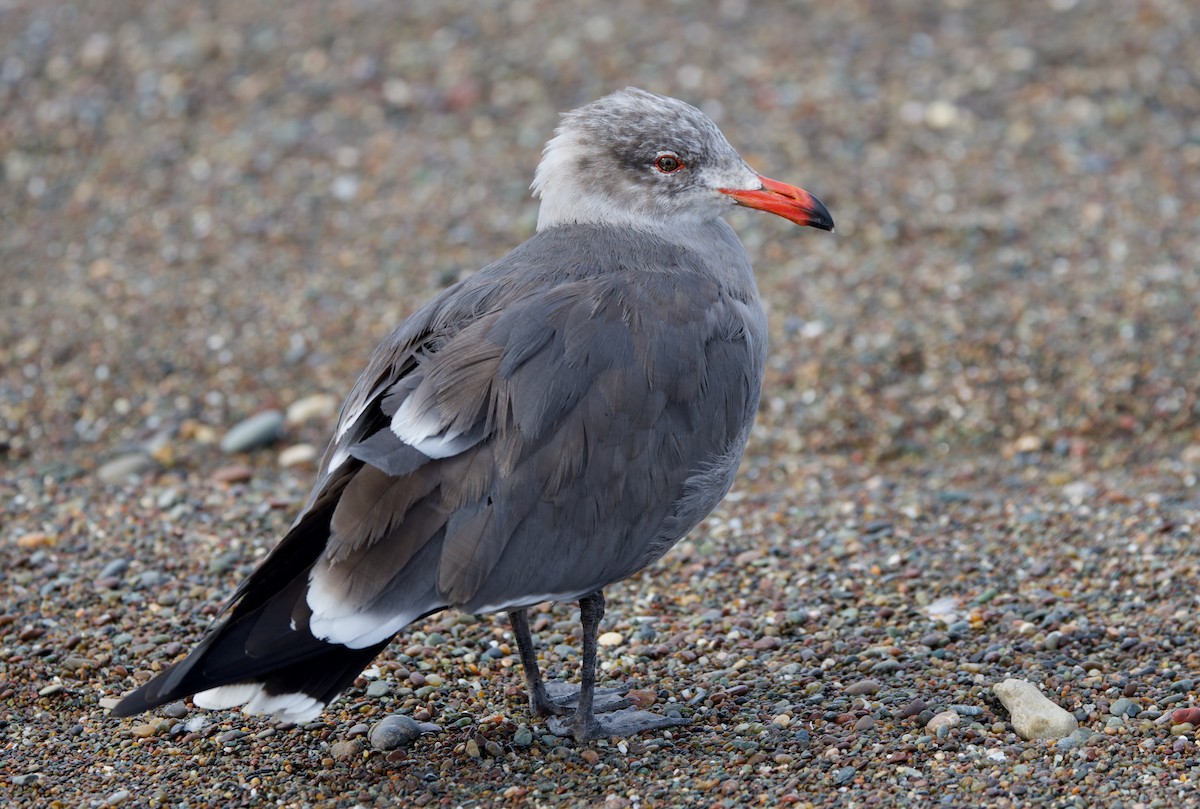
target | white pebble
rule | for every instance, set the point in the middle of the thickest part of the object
(316, 406)
(1033, 715)
(298, 454)
(941, 114)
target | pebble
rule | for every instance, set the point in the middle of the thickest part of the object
(394, 730)
(124, 467)
(610, 639)
(36, 539)
(256, 431)
(224, 562)
(144, 730)
(298, 454)
(233, 473)
(642, 698)
(843, 775)
(379, 688)
(1124, 707)
(346, 749)
(945, 719)
(1033, 715)
(116, 567)
(1186, 715)
(1078, 491)
(523, 736)
(316, 406)
(863, 687)
(966, 710)
(1077, 738)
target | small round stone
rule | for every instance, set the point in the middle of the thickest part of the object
(346, 749)
(611, 639)
(124, 467)
(256, 431)
(863, 687)
(395, 730)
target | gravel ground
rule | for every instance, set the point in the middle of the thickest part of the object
(977, 455)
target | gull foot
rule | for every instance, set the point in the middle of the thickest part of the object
(624, 722)
(561, 699)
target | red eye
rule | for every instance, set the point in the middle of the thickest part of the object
(668, 163)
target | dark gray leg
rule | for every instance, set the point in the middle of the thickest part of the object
(539, 701)
(553, 699)
(623, 720)
(591, 612)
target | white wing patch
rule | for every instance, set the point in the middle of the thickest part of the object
(339, 457)
(334, 621)
(420, 426)
(254, 699)
(227, 696)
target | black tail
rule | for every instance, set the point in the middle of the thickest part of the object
(266, 638)
(259, 646)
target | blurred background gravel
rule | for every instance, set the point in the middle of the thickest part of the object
(981, 413)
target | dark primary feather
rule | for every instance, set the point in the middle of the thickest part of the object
(594, 434)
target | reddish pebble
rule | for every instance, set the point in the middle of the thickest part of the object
(234, 473)
(590, 756)
(641, 698)
(1186, 715)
